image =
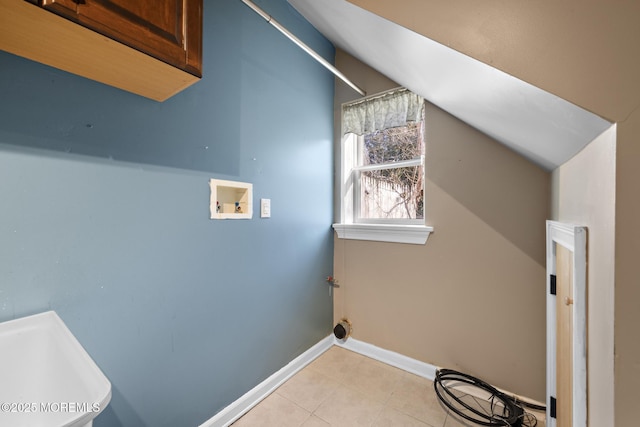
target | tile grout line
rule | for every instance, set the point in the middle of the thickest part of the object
(385, 402)
(348, 373)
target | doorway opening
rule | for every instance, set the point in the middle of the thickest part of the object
(566, 325)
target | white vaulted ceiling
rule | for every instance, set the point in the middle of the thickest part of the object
(537, 124)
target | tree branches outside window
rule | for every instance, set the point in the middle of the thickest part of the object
(393, 192)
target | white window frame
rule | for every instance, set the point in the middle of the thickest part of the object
(413, 231)
(356, 170)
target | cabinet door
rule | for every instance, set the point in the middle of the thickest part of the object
(170, 30)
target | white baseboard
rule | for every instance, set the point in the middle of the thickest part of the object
(405, 363)
(416, 367)
(254, 396)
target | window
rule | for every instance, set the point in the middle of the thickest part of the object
(382, 171)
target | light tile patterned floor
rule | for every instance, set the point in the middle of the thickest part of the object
(343, 388)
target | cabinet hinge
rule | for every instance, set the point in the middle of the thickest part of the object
(552, 283)
(552, 407)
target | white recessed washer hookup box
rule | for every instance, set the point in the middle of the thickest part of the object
(231, 199)
(46, 378)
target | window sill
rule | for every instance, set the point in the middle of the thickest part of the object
(413, 234)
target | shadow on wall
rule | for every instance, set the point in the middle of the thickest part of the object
(193, 130)
(497, 185)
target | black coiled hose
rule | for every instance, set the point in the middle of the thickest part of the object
(511, 412)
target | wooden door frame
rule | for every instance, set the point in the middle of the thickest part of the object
(574, 238)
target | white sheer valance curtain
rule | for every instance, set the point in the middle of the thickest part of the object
(388, 110)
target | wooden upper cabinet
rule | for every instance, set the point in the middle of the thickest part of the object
(169, 30)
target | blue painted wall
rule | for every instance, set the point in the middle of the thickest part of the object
(104, 205)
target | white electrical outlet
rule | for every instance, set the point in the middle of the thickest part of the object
(265, 208)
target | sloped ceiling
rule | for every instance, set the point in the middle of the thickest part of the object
(540, 126)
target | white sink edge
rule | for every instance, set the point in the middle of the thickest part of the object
(36, 345)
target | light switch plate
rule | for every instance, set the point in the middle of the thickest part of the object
(265, 208)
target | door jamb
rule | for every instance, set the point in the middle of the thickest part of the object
(573, 238)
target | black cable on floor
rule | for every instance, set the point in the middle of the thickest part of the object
(510, 414)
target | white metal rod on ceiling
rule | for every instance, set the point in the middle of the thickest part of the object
(302, 45)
